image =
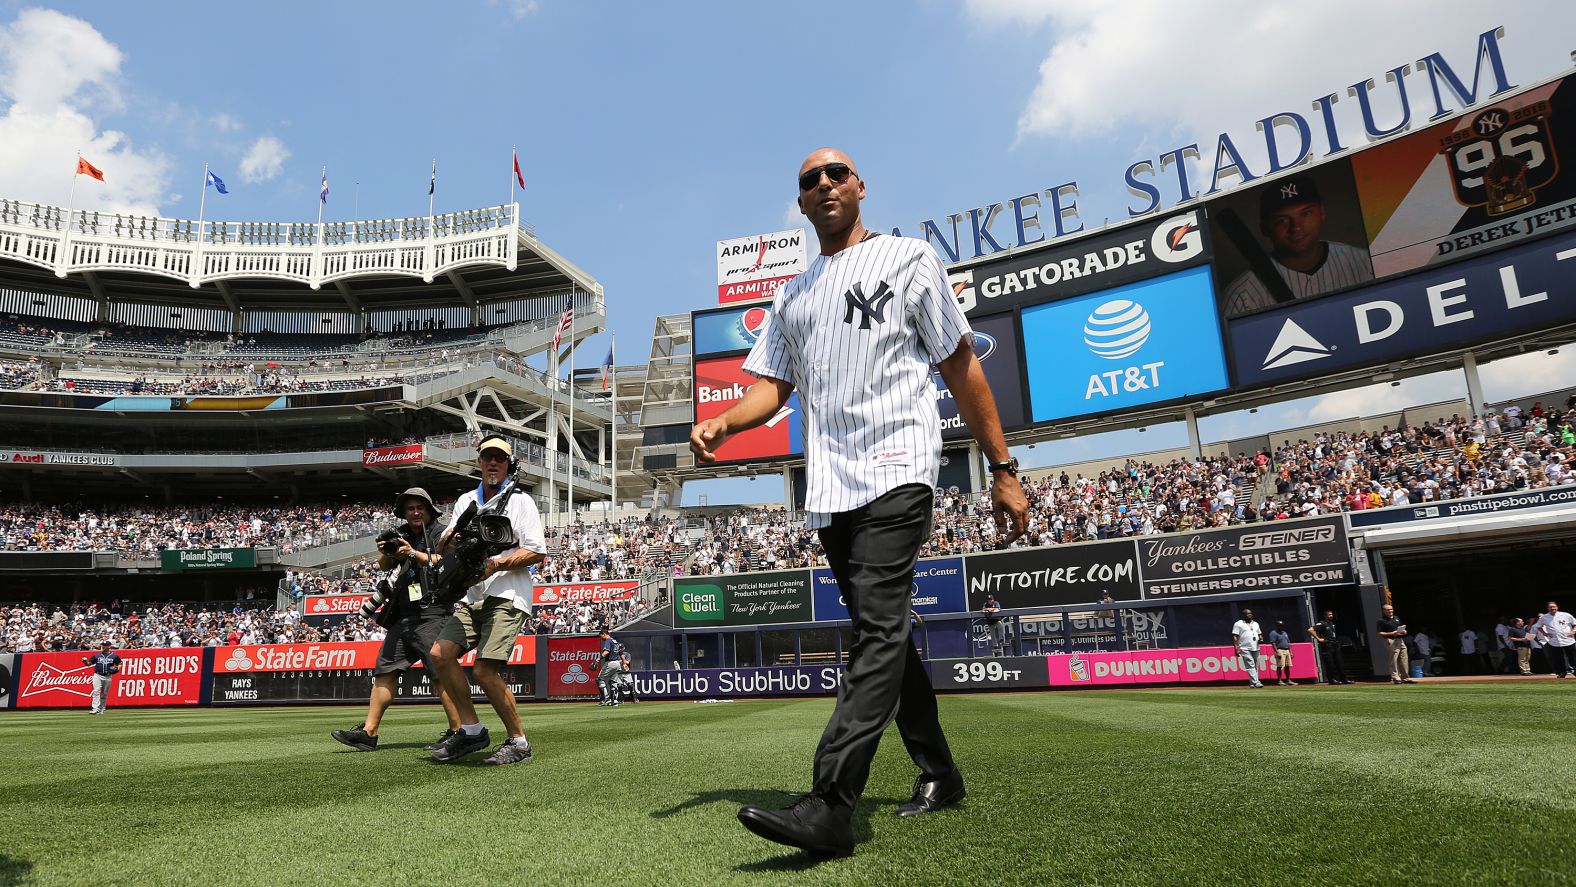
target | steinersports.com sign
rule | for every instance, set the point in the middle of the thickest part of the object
(1276, 556)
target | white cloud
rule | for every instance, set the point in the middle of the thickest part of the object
(518, 9)
(792, 217)
(55, 72)
(226, 123)
(264, 160)
(1185, 73)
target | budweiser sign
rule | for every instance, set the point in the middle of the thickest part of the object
(49, 678)
(147, 677)
(406, 455)
(580, 592)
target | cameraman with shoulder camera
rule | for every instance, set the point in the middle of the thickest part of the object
(406, 609)
(493, 611)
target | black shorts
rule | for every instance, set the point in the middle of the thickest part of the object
(408, 642)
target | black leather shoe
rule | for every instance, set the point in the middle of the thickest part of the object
(931, 795)
(809, 823)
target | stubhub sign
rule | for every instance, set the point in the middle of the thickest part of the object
(937, 588)
(1142, 343)
(1525, 288)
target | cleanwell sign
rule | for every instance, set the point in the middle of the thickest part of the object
(1142, 343)
(1525, 288)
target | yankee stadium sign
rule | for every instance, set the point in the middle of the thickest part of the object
(1288, 139)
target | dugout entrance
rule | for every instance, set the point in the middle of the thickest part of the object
(1449, 576)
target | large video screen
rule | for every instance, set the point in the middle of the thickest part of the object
(719, 383)
(996, 345)
(1148, 342)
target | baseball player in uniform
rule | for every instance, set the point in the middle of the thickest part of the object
(106, 663)
(1291, 215)
(610, 669)
(857, 334)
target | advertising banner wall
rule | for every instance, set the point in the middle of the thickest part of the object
(389, 456)
(1277, 556)
(147, 677)
(996, 345)
(1096, 262)
(208, 559)
(720, 383)
(352, 685)
(7, 682)
(753, 267)
(728, 330)
(1058, 574)
(571, 667)
(1186, 665)
(1478, 505)
(721, 683)
(938, 588)
(1143, 343)
(1096, 630)
(28, 457)
(1472, 184)
(742, 599)
(579, 592)
(345, 656)
(1524, 288)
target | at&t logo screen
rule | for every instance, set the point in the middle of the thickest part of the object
(1141, 343)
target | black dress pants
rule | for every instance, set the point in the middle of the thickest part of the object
(872, 551)
(1334, 662)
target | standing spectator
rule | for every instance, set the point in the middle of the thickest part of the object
(1423, 646)
(1393, 631)
(1521, 644)
(1281, 641)
(106, 663)
(1469, 651)
(1557, 630)
(1246, 637)
(1329, 644)
(998, 626)
(1507, 650)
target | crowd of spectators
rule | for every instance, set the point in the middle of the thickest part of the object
(1458, 457)
(202, 383)
(18, 375)
(144, 530)
(82, 626)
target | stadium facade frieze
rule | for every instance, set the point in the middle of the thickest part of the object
(182, 461)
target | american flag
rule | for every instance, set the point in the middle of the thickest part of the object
(565, 321)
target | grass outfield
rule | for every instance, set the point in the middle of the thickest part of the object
(1383, 785)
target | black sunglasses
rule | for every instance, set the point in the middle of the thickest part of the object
(837, 173)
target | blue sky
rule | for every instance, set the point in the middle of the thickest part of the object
(649, 131)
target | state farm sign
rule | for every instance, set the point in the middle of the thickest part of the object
(580, 592)
(406, 455)
(754, 267)
(335, 604)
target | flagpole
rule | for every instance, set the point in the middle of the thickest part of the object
(202, 204)
(514, 154)
(71, 196)
(432, 186)
(552, 429)
(612, 381)
(571, 474)
(320, 200)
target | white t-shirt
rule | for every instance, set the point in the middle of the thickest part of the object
(511, 585)
(857, 334)
(1554, 629)
(1247, 634)
(1468, 642)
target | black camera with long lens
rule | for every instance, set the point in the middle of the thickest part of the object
(388, 540)
(478, 535)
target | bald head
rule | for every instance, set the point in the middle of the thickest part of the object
(823, 156)
(830, 189)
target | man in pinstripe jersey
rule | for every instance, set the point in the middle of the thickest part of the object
(857, 334)
(1291, 215)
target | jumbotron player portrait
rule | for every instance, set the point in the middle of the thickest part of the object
(857, 334)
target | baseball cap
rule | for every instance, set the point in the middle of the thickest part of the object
(495, 443)
(1286, 192)
(415, 493)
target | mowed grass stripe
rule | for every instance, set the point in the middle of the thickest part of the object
(1070, 788)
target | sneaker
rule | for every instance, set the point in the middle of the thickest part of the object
(1291, 683)
(459, 745)
(438, 743)
(357, 738)
(510, 752)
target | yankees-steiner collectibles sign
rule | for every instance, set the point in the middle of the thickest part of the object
(1278, 556)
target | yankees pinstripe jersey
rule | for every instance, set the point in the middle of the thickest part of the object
(857, 334)
(1344, 266)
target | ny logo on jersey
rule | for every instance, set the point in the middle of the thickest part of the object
(872, 307)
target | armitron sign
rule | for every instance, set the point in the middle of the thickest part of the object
(405, 455)
(754, 267)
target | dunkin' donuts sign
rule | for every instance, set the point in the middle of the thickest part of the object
(406, 455)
